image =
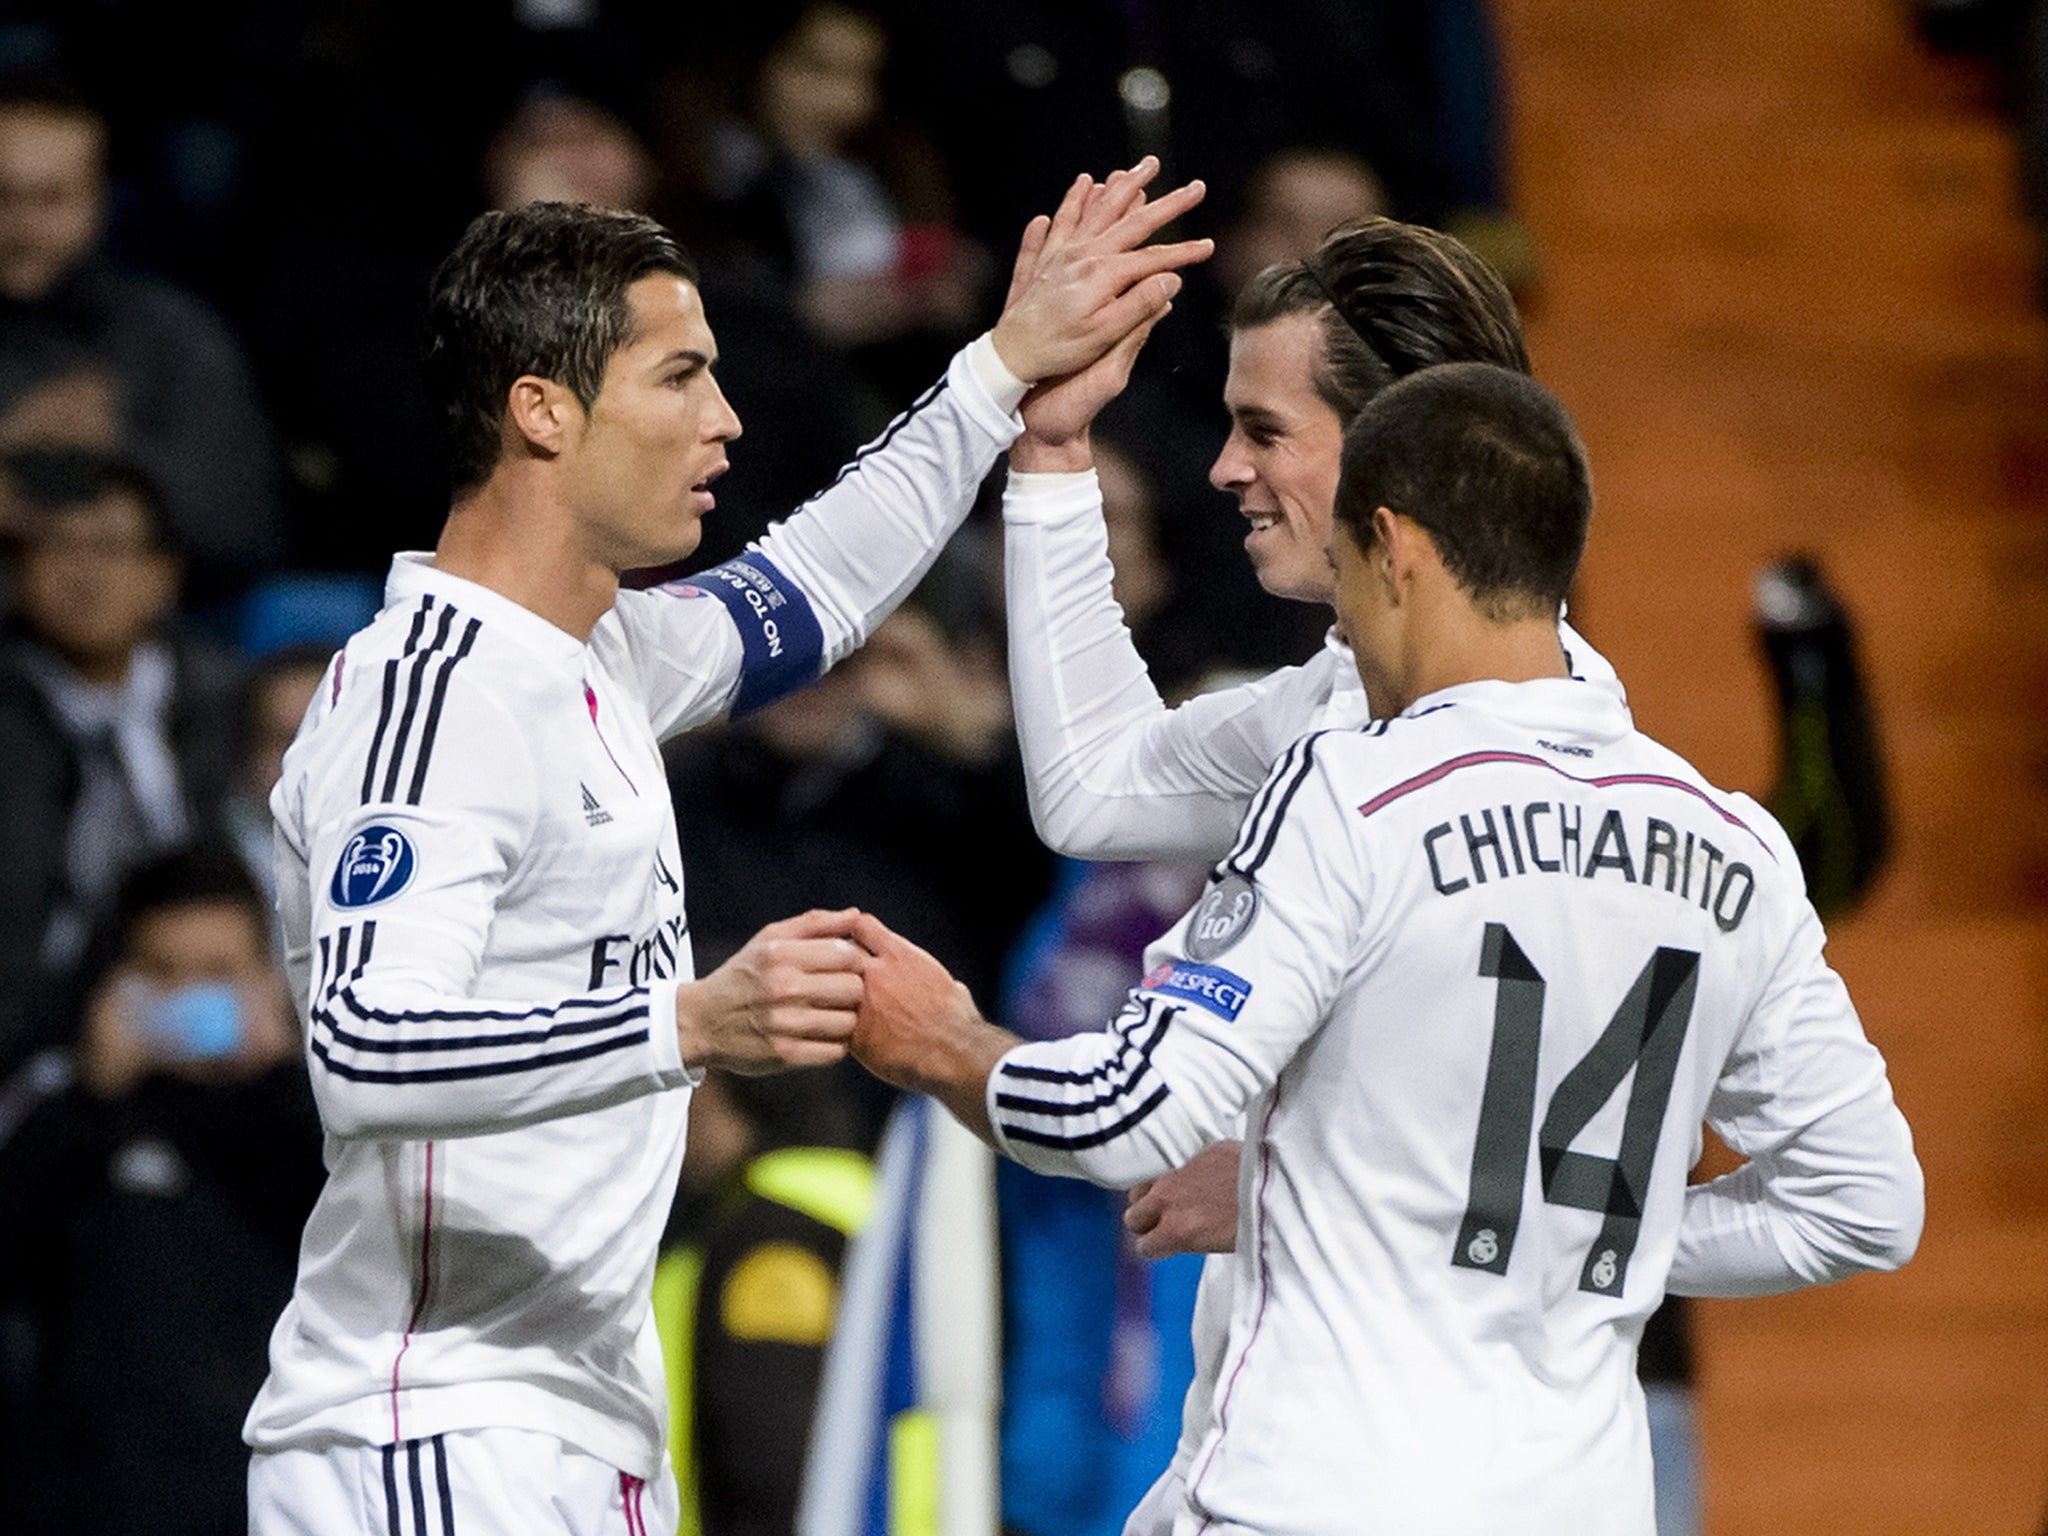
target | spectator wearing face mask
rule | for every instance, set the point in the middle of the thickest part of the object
(116, 732)
(153, 1209)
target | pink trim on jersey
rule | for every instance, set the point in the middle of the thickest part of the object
(1479, 759)
(630, 1490)
(1265, 1295)
(590, 698)
(419, 1305)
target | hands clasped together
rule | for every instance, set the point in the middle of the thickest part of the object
(807, 990)
(811, 990)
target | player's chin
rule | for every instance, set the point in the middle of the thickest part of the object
(679, 540)
(1292, 574)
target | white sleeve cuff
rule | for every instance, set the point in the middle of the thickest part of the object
(995, 1120)
(1050, 498)
(1003, 388)
(669, 1065)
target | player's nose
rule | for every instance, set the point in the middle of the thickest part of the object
(1232, 470)
(724, 423)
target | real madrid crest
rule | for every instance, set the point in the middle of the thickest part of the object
(1225, 911)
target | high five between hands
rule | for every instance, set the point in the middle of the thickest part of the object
(1084, 294)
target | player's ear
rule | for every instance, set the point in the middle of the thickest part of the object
(1392, 553)
(542, 412)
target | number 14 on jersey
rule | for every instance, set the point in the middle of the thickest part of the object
(1645, 1033)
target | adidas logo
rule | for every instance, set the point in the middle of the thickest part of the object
(593, 814)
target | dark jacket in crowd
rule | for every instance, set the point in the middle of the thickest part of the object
(152, 1243)
(38, 999)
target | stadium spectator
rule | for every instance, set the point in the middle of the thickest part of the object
(1295, 197)
(116, 730)
(187, 406)
(557, 148)
(153, 1209)
(848, 202)
(1015, 88)
(747, 1289)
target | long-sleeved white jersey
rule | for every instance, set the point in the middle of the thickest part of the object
(1478, 974)
(1115, 774)
(483, 905)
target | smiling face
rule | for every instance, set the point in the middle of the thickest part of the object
(639, 468)
(1281, 458)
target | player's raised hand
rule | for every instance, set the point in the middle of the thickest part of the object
(1085, 278)
(1058, 413)
(1191, 1210)
(787, 999)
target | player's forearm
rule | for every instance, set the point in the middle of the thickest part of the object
(1113, 773)
(859, 547)
(399, 1060)
(1848, 1196)
(955, 1070)
(1103, 1107)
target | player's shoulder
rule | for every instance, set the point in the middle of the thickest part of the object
(1742, 812)
(1373, 755)
(425, 683)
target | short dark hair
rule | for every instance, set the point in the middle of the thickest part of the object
(42, 87)
(195, 873)
(1394, 298)
(1488, 462)
(51, 479)
(541, 290)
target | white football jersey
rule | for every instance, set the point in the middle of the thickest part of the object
(483, 906)
(1479, 973)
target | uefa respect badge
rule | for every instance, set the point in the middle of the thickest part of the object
(375, 866)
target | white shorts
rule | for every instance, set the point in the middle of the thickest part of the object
(476, 1482)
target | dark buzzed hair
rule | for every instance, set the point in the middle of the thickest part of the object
(46, 89)
(47, 479)
(200, 872)
(1394, 298)
(539, 290)
(1488, 462)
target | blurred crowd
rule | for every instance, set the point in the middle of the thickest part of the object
(217, 222)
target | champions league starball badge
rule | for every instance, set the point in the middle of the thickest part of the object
(376, 865)
(1225, 912)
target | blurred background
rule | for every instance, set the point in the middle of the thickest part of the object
(1784, 264)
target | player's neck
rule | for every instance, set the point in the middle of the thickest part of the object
(1458, 645)
(524, 550)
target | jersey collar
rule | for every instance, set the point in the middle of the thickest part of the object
(1557, 704)
(414, 575)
